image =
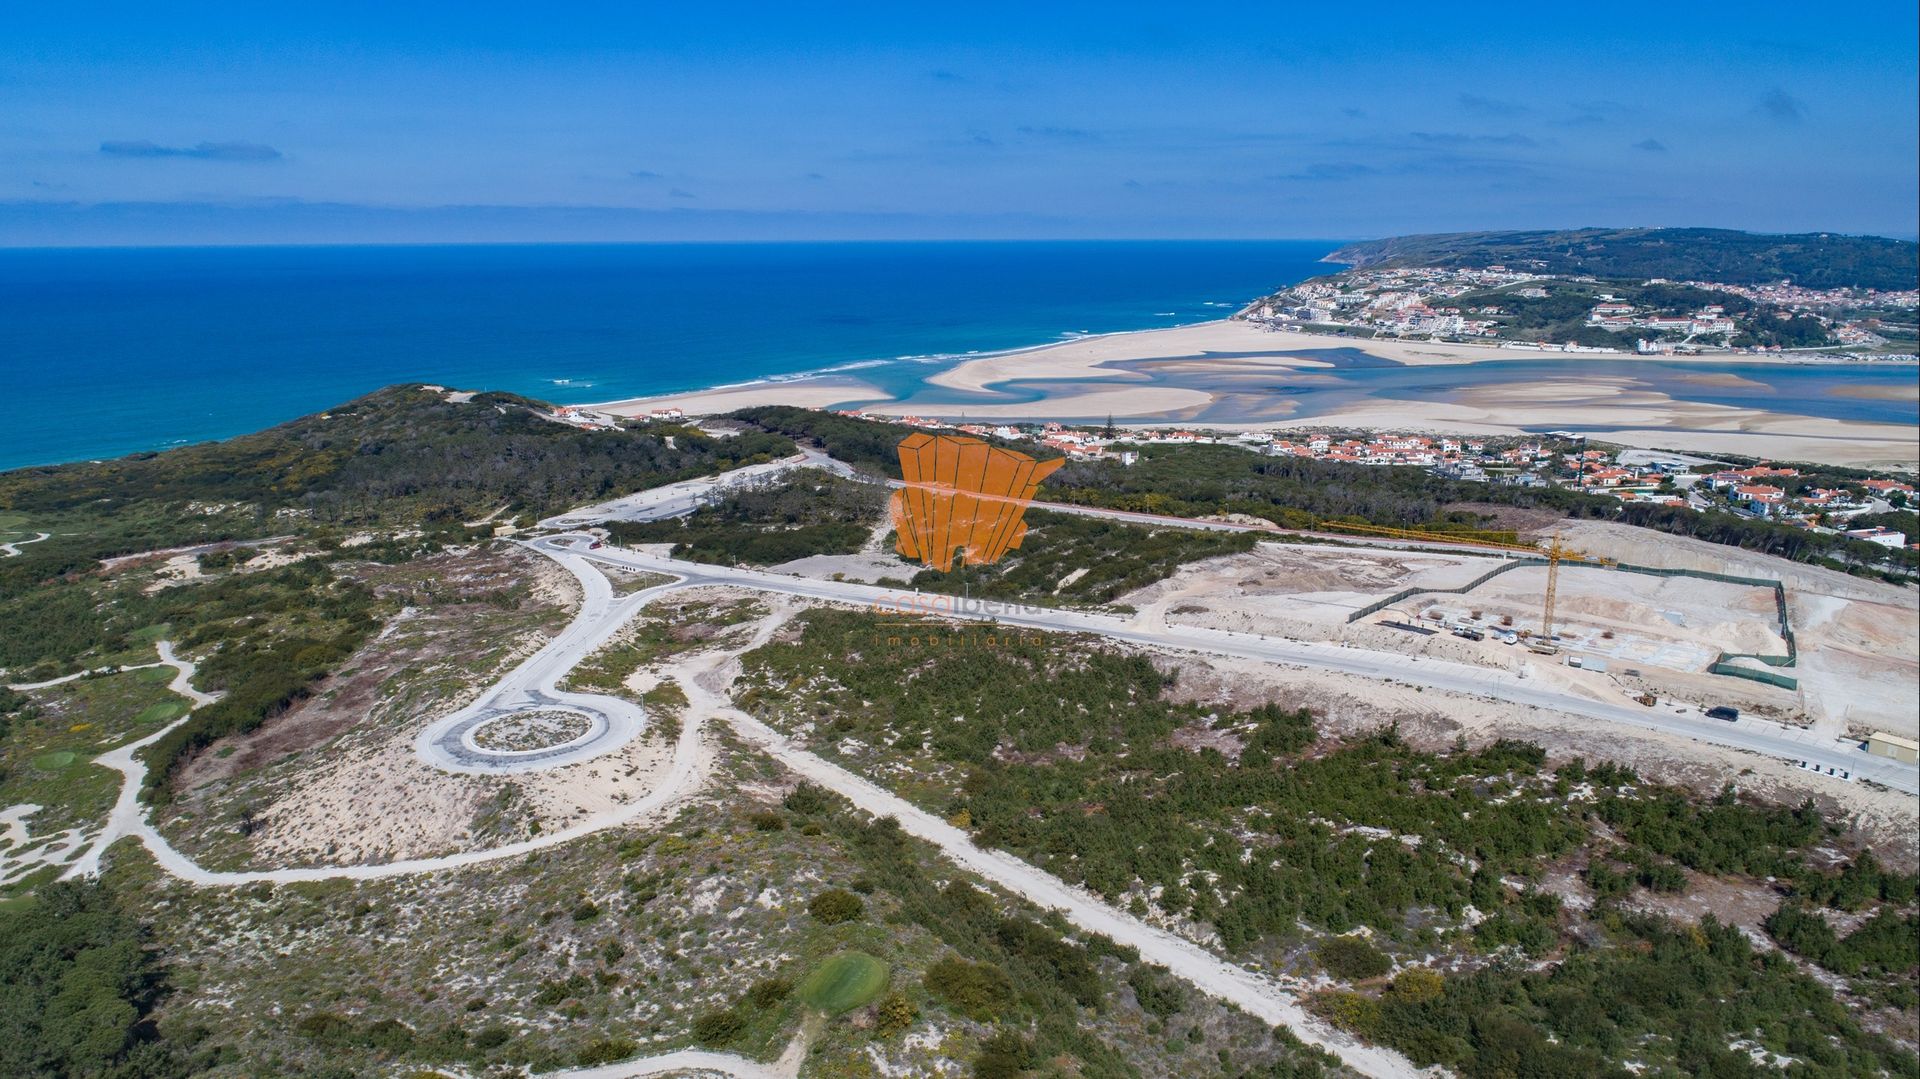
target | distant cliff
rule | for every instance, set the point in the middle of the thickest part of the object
(1814, 260)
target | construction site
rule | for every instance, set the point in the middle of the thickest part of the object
(1675, 624)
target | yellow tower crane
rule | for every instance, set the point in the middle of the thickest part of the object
(1555, 552)
(1544, 643)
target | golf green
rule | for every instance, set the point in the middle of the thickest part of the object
(846, 981)
(55, 761)
(160, 713)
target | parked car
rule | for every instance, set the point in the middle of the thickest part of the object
(1723, 712)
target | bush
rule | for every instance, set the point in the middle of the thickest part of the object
(767, 992)
(714, 1029)
(836, 905)
(894, 1015)
(1158, 995)
(389, 1035)
(979, 991)
(1003, 1056)
(1351, 1011)
(767, 822)
(807, 800)
(1417, 985)
(606, 1051)
(1352, 959)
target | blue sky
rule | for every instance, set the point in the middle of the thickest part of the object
(247, 123)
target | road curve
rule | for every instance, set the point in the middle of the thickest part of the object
(448, 743)
(128, 816)
(1753, 735)
(1256, 994)
(9, 550)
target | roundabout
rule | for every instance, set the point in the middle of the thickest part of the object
(525, 722)
(530, 732)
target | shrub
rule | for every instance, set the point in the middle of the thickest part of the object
(979, 991)
(1003, 1056)
(324, 1026)
(769, 991)
(767, 822)
(894, 1015)
(606, 1051)
(1351, 1011)
(1352, 959)
(1417, 985)
(836, 905)
(1158, 995)
(715, 1029)
(492, 1037)
(390, 1035)
(806, 799)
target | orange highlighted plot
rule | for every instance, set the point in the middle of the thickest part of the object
(965, 495)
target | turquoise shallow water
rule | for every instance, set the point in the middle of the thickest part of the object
(106, 352)
(1254, 392)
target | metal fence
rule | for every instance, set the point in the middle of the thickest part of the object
(1720, 664)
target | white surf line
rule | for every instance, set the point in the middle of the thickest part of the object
(13, 548)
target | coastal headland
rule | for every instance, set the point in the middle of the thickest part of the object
(1232, 375)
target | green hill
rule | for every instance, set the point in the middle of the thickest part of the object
(1814, 260)
(402, 453)
(405, 456)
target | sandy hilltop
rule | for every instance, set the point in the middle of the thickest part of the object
(1234, 375)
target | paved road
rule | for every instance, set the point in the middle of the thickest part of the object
(448, 743)
(129, 816)
(77, 675)
(601, 615)
(8, 550)
(678, 499)
(1262, 997)
(1758, 736)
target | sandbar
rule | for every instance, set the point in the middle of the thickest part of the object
(1229, 375)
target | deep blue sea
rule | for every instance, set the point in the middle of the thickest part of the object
(112, 351)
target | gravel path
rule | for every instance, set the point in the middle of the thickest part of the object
(1262, 997)
(8, 550)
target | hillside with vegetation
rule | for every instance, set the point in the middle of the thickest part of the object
(1487, 910)
(388, 478)
(1301, 493)
(1812, 260)
(406, 457)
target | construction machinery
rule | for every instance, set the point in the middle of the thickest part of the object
(1555, 552)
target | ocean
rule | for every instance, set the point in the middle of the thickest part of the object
(113, 351)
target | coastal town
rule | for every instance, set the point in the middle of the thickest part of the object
(1762, 491)
(1519, 308)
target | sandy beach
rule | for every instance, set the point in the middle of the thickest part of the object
(1233, 375)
